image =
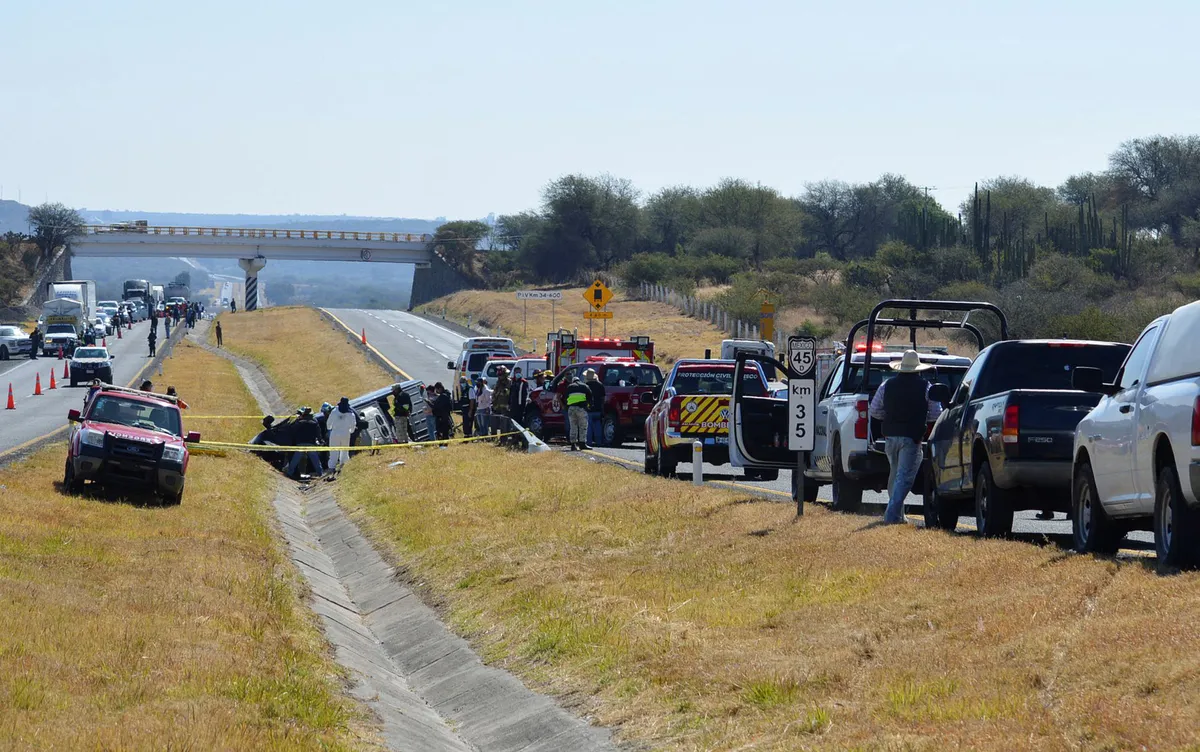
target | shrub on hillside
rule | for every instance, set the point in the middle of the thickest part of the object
(843, 303)
(1188, 285)
(717, 270)
(1090, 323)
(970, 291)
(865, 275)
(911, 283)
(900, 255)
(1057, 273)
(816, 330)
(955, 264)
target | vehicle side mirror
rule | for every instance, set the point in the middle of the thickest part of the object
(74, 416)
(1088, 379)
(192, 437)
(450, 366)
(939, 393)
(960, 397)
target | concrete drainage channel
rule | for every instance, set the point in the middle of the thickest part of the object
(429, 689)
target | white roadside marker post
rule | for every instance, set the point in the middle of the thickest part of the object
(697, 463)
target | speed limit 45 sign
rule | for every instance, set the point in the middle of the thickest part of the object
(802, 393)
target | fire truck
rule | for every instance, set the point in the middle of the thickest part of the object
(564, 349)
(625, 367)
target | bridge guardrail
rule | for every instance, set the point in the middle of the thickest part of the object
(246, 232)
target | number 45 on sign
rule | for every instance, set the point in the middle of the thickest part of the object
(802, 393)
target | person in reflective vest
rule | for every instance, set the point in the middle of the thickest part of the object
(577, 417)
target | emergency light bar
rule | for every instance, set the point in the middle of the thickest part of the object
(641, 340)
(140, 393)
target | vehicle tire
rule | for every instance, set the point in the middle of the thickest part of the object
(3, 352)
(666, 462)
(1175, 524)
(1092, 530)
(172, 500)
(993, 509)
(847, 495)
(650, 461)
(940, 513)
(533, 421)
(610, 428)
(71, 483)
(74, 383)
(107, 378)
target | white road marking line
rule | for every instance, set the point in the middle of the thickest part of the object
(419, 342)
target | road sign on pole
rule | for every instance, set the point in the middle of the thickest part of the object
(802, 356)
(597, 314)
(539, 295)
(802, 403)
(766, 322)
(598, 295)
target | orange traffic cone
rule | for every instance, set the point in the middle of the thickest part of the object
(118, 332)
(66, 369)
(60, 352)
(37, 386)
(104, 341)
(53, 383)
(364, 336)
(12, 404)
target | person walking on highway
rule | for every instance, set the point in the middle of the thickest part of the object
(307, 433)
(152, 340)
(595, 408)
(902, 403)
(232, 305)
(35, 343)
(402, 407)
(577, 417)
(341, 423)
(220, 340)
(500, 397)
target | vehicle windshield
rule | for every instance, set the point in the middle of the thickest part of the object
(717, 381)
(632, 376)
(60, 329)
(1048, 365)
(495, 364)
(949, 375)
(107, 304)
(477, 361)
(8, 331)
(90, 352)
(122, 411)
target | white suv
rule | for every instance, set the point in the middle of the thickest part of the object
(1137, 453)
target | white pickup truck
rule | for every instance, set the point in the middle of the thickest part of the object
(1137, 453)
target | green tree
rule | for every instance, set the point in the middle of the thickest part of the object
(589, 223)
(53, 226)
(773, 220)
(670, 218)
(1160, 177)
(184, 279)
(457, 243)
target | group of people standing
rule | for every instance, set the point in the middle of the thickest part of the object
(585, 411)
(332, 428)
(488, 410)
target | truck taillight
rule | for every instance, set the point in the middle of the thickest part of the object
(674, 411)
(1012, 418)
(860, 423)
(1196, 422)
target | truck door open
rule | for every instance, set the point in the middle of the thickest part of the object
(758, 431)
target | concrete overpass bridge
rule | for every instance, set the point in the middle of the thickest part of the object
(255, 247)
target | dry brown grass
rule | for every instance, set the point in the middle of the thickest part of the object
(306, 358)
(134, 627)
(700, 619)
(675, 336)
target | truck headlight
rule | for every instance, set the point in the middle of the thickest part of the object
(92, 437)
(172, 453)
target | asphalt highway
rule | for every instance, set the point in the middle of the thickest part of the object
(35, 417)
(421, 349)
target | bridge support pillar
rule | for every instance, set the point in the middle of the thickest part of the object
(252, 266)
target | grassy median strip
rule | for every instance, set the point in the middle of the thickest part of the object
(675, 336)
(307, 360)
(125, 626)
(708, 619)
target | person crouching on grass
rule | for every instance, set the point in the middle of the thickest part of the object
(902, 403)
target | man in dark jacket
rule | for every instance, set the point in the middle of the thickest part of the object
(443, 411)
(306, 433)
(518, 396)
(35, 343)
(902, 403)
(500, 399)
(595, 408)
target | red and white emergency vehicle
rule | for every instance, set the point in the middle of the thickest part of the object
(564, 349)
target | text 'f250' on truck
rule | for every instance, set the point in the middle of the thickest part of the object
(847, 444)
(131, 439)
(1137, 454)
(694, 406)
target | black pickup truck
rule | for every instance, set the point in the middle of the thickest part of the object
(1005, 442)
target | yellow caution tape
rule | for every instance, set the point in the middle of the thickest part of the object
(410, 445)
(225, 417)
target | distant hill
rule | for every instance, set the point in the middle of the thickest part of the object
(13, 217)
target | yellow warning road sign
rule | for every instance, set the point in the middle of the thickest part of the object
(597, 314)
(598, 296)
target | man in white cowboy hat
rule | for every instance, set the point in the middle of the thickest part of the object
(902, 403)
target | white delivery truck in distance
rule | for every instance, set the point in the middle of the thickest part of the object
(82, 291)
(61, 324)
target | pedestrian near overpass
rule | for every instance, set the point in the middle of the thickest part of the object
(152, 340)
(220, 339)
(577, 417)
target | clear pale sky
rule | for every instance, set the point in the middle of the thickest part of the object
(457, 109)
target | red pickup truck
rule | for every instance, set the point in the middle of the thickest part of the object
(630, 390)
(125, 437)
